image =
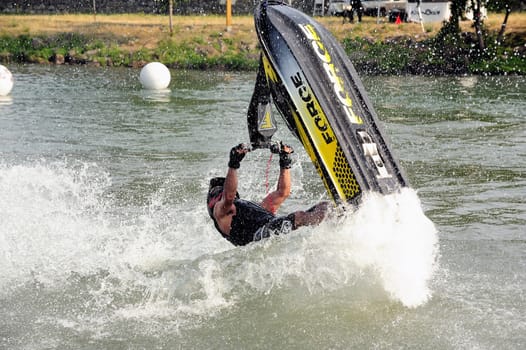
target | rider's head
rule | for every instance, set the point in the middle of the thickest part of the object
(215, 192)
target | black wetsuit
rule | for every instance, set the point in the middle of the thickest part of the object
(252, 222)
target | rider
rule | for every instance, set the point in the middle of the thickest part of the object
(241, 221)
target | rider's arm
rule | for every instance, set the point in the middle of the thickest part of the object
(273, 200)
(230, 186)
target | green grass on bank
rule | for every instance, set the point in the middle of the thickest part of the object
(202, 43)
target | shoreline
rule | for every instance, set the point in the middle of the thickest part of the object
(201, 42)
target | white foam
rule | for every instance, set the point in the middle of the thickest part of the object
(47, 214)
(392, 235)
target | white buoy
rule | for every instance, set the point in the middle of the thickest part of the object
(155, 76)
(6, 81)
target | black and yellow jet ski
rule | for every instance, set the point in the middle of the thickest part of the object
(306, 74)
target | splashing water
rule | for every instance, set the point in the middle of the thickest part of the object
(47, 214)
(63, 232)
(391, 235)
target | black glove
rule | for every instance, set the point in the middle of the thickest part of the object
(237, 154)
(285, 159)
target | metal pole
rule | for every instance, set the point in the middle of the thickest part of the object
(170, 11)
(420, 16)
(228, 15)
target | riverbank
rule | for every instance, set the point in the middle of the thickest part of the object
(201, 42)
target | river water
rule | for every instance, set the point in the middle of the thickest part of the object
(105, 241)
